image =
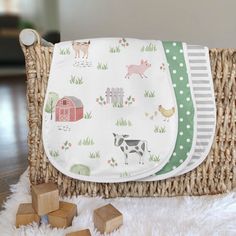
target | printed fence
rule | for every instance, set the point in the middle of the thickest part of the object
(114, 95)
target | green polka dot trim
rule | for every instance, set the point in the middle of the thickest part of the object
(180, 81)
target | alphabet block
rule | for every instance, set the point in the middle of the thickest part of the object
(107, 218)
(64, 216)
(85, 232)
(45, 198)
(26, 215)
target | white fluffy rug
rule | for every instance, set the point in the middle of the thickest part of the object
(208, 215)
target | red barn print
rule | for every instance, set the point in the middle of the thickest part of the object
(69, 109)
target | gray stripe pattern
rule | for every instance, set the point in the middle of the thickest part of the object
(205, 123)
(195, 47)
(206, 116)
(197, 61)
(199, 75)
(200, 82)
(204, 102)
(203, 137)
(205, 107)
(202, 95)
(196, 54)
(198, 67)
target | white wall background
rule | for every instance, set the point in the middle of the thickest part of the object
(42, 13)
(207, 22)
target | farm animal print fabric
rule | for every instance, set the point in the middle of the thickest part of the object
(118, 110)
(110, 112)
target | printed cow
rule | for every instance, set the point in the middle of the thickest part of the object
(131, 146)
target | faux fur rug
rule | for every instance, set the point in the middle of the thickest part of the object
(207, 215)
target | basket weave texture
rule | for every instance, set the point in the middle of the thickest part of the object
(217, 174)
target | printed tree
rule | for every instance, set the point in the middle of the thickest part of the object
(51, 102)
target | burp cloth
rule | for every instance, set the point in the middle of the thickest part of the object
(110, 113)
(203, 92)
(201, 88)
(185, 143)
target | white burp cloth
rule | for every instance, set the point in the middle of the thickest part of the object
(102, 106)
(203, 92)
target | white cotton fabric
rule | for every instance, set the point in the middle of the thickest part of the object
(200, 75)
(103, 161)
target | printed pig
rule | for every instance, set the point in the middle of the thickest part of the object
(138, 69)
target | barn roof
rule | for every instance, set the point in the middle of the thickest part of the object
(76, 101)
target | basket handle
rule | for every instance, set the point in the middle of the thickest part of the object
(29, 37)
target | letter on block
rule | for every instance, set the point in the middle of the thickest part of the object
(107, 218)
(45, 198)
(26, 215)
(64, 216)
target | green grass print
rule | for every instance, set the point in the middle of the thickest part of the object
(149, 94)
(124, 174)
(86, 142)
(102, 66)
(149, 48)
(64, 51)
(76, 80)
(54, 153)
(154, 158)
(94, 155)
(117, 104)
(115, 49)
(159, 129)
(123, 122)
(88, 115)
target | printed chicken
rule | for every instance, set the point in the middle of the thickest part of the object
(167, 113)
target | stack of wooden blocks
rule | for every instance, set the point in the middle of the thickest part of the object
(59, 214)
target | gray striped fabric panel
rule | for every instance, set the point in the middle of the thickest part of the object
(203, 92)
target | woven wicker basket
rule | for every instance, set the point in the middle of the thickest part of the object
(217, 174)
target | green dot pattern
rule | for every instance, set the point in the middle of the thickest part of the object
(180, 81)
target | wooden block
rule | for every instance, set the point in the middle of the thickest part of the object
(45, 198)
(85, 232)
(26, 215)
(107, 218)
(64, 216)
